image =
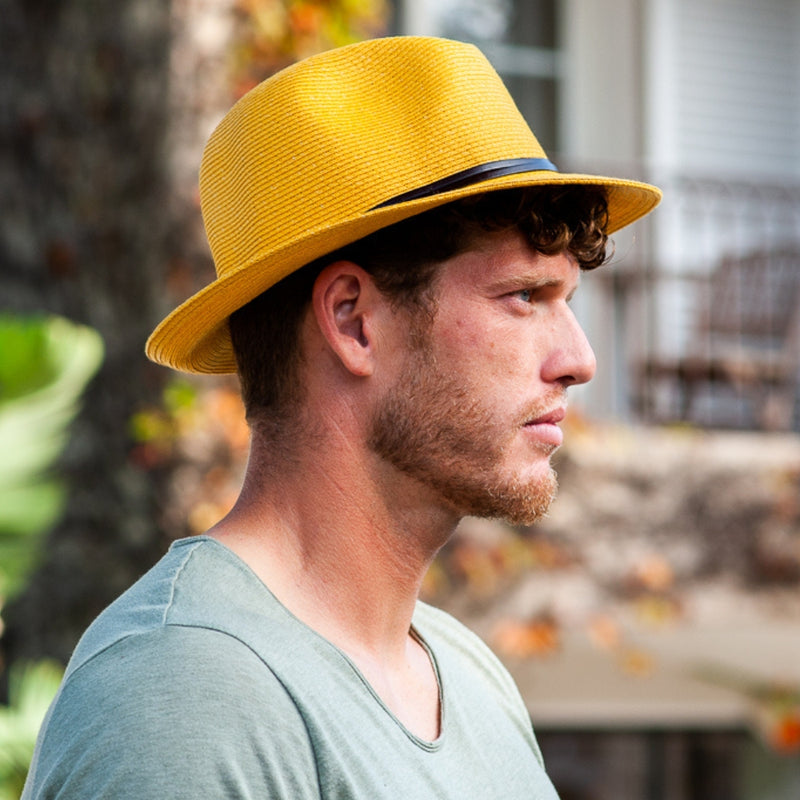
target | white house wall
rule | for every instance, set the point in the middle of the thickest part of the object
(602, 130)
(737, 64)
(723, 123)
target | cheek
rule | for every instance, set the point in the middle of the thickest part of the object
(473, 345)
(513, 352)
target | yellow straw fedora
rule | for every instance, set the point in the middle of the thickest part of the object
(342, 144)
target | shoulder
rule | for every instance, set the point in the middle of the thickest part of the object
(176, 677)
(145, 606)
(197, 583)
(174, 712)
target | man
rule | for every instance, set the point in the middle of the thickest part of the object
(395, 256)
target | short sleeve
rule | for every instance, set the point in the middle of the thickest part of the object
(178, 712)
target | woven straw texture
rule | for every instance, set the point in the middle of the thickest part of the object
(297, 167)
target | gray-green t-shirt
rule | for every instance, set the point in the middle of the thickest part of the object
(198, 683)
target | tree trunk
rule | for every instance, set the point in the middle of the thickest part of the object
(84, 232)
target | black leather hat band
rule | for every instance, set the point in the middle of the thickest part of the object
(483, 172)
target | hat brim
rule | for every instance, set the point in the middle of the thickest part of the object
(195, 337)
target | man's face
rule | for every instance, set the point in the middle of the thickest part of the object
(474, 412)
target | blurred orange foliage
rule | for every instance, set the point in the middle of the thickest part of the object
(199, 436)
(785, 735)
(271, 34)
(484, 567)
(536, 637)
(655, 573)
(636, 662)
(604, 632)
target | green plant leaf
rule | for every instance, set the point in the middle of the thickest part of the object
(45, 364)
(32, 688)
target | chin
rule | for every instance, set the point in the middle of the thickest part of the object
(516, 502)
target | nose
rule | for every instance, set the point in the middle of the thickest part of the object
(571, 360)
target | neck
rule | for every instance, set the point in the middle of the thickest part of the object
(342, 540)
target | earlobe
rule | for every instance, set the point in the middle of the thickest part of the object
(341, 301)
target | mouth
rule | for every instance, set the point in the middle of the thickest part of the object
(544, 428)
(550, 418)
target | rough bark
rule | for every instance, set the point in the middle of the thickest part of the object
(84, 232)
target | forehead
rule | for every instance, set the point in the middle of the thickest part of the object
(503, 259)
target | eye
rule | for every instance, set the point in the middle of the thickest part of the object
(526, 295)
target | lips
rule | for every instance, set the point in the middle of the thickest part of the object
(550, 418)
(544, 428)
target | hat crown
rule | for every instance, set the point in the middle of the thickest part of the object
(336, 135)
(340, 145)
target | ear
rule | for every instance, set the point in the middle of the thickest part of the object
(346, 303)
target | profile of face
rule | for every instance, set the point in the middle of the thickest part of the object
(474, 412)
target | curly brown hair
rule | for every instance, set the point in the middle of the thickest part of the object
(403, 259)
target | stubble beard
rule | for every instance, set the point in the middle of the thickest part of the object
(431, 427)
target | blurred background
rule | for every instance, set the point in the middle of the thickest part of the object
(653, 620)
